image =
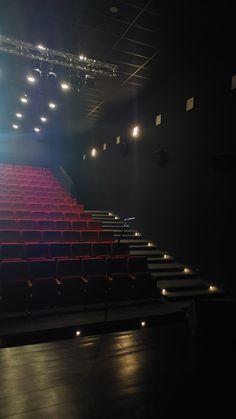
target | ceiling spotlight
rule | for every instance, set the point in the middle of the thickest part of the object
(31, 79)
(41, 47)
(24, 99)
(43, 119)
(93, 152)
(51, 75)
(82, 57)
(15, 126)
(135, 131)
(19, 115)
(52, 105)
(37, 129)
(78, 333)
(143, 324)
(65, 85)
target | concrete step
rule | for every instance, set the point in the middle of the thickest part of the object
(174, 274)
(160, 259)
(164, 267)
(178, 283)
(189, 294)
(145, 251)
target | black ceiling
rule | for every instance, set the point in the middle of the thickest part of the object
(132, 38)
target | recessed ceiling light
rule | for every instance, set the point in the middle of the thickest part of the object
(24, 99)
(43, 119)
(15, 126)
(52, 105)
(65, 85)
(114, 9)
(31, 79)
(19, 115)
(37, 129)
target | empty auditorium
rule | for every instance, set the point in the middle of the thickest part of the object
(117, 169)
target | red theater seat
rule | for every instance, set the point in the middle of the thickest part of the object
(16, 292)
(27, 224)
(52, 236)
(9, 236)
(94, 273)
(79, 250)
(12, 251)
(8, 224)
(36, 250)
(59, 250)
(30, 236)
(45, 286)
(89, 236)
(72, 287)
(71, 236)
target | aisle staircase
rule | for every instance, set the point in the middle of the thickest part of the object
(175, 281)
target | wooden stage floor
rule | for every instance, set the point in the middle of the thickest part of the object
(156, 372)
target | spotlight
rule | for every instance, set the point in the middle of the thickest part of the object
(43, 119)
(135, 131)
(52, 105)
(65, 85)
(51, 76)
(187, 270)
(15, 126)
(31, 79)
(24, 99)
(19, 115)
(93, 152)
(82, 57)
(143, 324)
(163, 291)
(89, 81)
(41, 47)
(78, 333)
(37, 129)
(212, 288)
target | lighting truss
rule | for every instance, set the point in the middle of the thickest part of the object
(54, 57)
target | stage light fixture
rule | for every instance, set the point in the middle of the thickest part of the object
(143, 324)
(19, 115)
(41, 47)
(78, 333)
(52, 105)
(166, 256)
(163, 291)
(43, 119)
(51, 75)
(187, 270)
(37, 129)
(15, 126)
(65, 85)
(82, 57)
(212, 288)
(135, 131)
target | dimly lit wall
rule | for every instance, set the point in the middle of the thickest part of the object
(184, 201)
(18, 148)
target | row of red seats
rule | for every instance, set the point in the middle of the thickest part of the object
(44, 215)
(47, 284)
(38, 199)
(34, 251)
(33, 193)
(40, 207)
(6, 166)
(11, 224)
(37, 236)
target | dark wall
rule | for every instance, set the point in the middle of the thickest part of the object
(23, 149)
(181, 197)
